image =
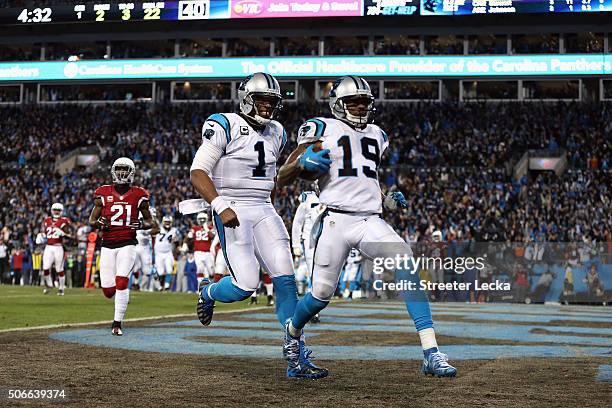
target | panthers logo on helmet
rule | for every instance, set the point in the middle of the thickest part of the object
(304, 130)
(335, 84)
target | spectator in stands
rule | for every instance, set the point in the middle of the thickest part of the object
(568, 294)
(4, 261)
(595, 287)
(17, 264)
(543, 286)
(521, 285)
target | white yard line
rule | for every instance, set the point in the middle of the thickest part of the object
(137, 319)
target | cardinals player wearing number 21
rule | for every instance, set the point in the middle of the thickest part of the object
(116, 214)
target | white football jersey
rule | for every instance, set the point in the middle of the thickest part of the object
(143, 237)
(247, 168)
(164, 239)
(304, 217)
(352, 181)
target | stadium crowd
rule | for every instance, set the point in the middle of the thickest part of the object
(453, 161)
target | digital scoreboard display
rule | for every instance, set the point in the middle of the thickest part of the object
(127, 11)
(462, 7)
(100, 12)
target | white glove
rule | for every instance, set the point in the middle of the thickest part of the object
(297, 251)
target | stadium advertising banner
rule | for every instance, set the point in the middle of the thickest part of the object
(390, 7)
(295, 8)
(409, 66)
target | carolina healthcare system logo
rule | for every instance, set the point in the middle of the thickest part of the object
(248, 7)
(71, 70)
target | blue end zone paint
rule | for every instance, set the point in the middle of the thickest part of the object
(506, 308)
(176, 337)
(469, 330)
(408, 322)
(344, 311)
(604, 373)
(176, 341)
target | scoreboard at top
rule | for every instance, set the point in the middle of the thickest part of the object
(234, 9)
(128, 11)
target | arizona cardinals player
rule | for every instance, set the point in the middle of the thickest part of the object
(201, 235)
(115, 213)
(55, 228)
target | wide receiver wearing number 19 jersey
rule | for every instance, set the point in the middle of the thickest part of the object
(116, 213)
(348, 163)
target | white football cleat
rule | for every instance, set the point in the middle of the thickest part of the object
(60, 292)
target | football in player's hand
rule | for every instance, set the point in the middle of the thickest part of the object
(313, 175)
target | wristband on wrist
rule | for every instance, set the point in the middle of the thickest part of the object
(219, 205)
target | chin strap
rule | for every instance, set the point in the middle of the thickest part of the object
(253, 122)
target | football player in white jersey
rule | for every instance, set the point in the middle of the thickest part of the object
(300, 235)
(235, 171)
(352, 275)
(144, 256)
(165, 243)
(351, 194)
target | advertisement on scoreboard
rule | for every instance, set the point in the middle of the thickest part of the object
(295, 8)
(390, 7)
(313, 67)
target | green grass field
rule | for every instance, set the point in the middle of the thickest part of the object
(26, 306)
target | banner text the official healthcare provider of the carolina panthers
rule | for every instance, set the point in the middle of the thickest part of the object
(313, 67)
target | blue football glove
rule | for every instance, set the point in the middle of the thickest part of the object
(393, 199)
(315, 162)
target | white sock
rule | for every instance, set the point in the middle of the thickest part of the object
(269, 289)
(121, 301)
(48, 282)
(254, 295)
(428, 338)
(62, 282)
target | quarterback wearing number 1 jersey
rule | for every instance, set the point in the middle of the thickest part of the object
(116, 214)
(234, 170)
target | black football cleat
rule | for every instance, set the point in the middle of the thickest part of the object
(298, 359)
(205, 308)
(116, 329)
